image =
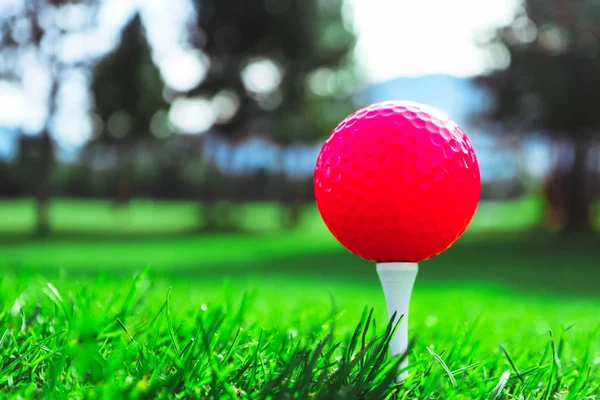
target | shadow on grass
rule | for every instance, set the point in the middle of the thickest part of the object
(562, 265)
(79, 235)
(527, 261)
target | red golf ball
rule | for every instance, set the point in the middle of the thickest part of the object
(397, 181)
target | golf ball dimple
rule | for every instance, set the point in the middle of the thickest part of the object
(397, 181)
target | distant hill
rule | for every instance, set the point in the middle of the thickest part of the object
(455, 96)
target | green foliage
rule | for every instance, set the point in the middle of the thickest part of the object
(548, 87)
(30, 31)
(127, 87)
(554, 66)
(301, 38)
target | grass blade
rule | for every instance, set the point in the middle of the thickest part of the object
(500, 386)
(512, 364)
(170, 324)
(439, 360)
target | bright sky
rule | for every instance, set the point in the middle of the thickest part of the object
(418, 37)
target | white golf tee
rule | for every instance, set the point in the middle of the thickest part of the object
(397, 280)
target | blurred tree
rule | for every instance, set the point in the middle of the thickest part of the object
(128, 93)
(30, 159)
(278, 68)
(550, 86)
(36, 33)
(10, 184)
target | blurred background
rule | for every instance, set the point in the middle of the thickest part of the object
(183, 134)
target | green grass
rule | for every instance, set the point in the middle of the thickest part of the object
(145, 217)
(288, 339)
(92, 235)
(506, 312)
(70, 216)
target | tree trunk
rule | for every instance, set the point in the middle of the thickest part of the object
(123, 190)
(227, 207)
(289, 203)
(46, 158)
(568, 189)
(579, 194)
(215, 207)
(42, 197)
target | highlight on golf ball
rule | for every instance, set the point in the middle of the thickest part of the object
(397, 181)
